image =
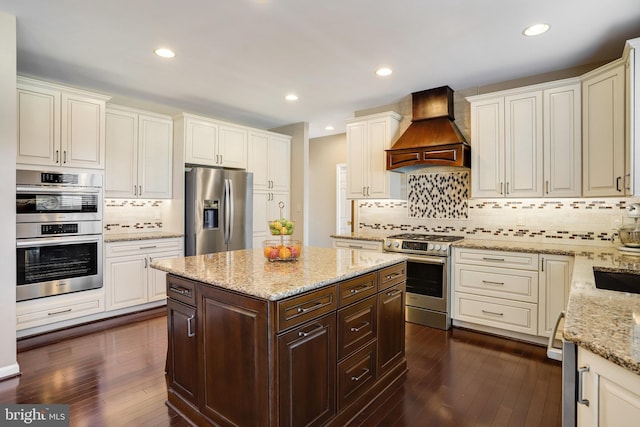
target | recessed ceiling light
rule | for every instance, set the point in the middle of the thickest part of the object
(329, 127)
(164, 52)
(536, 29)
(384, 71)
(291, 97)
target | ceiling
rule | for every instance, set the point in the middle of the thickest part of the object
(237, 59)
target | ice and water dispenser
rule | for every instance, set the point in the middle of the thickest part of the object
(210, 214)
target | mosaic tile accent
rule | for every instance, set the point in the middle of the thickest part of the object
(132, 215)
(438, 195)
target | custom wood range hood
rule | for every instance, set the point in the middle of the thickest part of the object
(432, 138)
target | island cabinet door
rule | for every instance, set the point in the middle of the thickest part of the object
(307, 373)
(390, 327)
(234, 352)
(182, 356)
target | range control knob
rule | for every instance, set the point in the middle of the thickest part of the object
(444, 248)
(388, 244)
(437, 247)
(396, 245)
(430, 246)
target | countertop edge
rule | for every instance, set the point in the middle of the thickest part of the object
(123, 237)
(365, 237)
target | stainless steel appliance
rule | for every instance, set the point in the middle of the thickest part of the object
(59, 233)
(427, 276)
(218, 210)
(567, 353)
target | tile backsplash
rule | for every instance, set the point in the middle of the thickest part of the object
(438, 195)
(570, 220)
(132, 216)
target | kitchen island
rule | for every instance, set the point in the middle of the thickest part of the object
(308, 342)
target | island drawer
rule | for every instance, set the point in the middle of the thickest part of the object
(356, 289)
(355, 374)
(393, 275)
(357, 325)
(181, 290)
(299, 309)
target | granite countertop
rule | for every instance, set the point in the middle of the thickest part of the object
(604, 322)
(125, 237)
(359, 236)
(248, 272)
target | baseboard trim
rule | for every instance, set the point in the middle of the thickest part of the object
(40, 340)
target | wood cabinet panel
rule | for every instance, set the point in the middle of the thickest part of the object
(356, 289)
(355, 374)
(182, 354)
(307, 373)
(357, 325)
(299, 309)
(393, 275)
(391, 341)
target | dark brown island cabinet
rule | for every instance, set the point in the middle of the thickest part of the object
(317, 358)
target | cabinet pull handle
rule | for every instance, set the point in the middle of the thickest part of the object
(53, 313)
(393, 292)
(135, 190)
(542, 264)
(364, 325)
(618, 183)
(313, 331)
(489, 282)
(493, 259)
(358, 289)
(220, 158)
(355, 246)
(315, 306)
(368, 194)
(363, 195)
(501, 184)
(492, 312)
(582, 400)
(180, 290)
(359, 377)
(190, 332)
(148, 247)
(57, 156)
(507, 187)
(627, 182)
(146, 262)
(139, 190)
(393, 276)
(546, 186)
(65, 156)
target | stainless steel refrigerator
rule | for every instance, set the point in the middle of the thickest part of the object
(218, 210)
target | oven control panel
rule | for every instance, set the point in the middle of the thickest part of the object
(49, 229)
(424, 248)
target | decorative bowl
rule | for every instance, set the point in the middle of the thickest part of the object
(287, 250)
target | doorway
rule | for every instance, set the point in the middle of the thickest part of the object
(344, 219)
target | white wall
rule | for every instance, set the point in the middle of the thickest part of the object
(8, 361)
(324, 154)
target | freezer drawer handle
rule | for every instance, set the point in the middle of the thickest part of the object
(581, 371)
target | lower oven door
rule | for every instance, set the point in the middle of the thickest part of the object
(427, 283)
(58, 265)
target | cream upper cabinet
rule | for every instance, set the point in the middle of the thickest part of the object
(270, 161)
(367, 175)
(266, 208)
(554, 285)
(523, 139)
(211, 142)
(603, 130)
(60, 126)
(612, 392)
(139, 154)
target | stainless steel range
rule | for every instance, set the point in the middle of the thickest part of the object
(427, 276)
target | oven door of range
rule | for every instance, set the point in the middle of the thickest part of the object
(428, 283)
(57, 265)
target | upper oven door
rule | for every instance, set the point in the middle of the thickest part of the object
(50, 204)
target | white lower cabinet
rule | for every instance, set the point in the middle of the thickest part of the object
(129, 279)
(45, 311)
(612, 392)
(510, 291)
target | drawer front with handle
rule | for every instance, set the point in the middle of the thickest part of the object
(354, 290)
(511, 315)
(524, 261)
(393, 275)
(296, 310)
(357, 325)
(519, 285)
(355, 374)
(181, 290)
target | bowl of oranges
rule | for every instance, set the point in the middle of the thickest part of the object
(276, 250)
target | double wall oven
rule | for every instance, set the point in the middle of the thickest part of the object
(427, 276)
(59, 233)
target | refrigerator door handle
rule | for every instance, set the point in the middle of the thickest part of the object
(226, 199)
(232, 212)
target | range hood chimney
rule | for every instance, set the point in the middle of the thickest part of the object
(432, 138)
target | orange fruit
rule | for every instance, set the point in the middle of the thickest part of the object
(267, 251)
(285, 253)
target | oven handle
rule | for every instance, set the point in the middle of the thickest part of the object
(21, 243)
(428, 259)
(57, 190)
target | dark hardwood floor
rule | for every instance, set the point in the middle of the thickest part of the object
(456, 378)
